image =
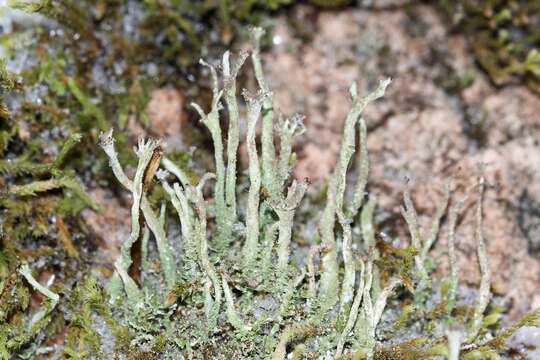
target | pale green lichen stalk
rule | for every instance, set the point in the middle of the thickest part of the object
(484, 292)
(336, 190)
(251, 246)
(423, 242)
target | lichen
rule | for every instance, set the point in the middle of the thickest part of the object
(339, 313)
(234, 280)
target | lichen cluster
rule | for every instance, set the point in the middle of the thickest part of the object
(232, 283)
(225, 264)
(71, 69)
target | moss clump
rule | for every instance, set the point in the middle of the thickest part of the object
(505, 37)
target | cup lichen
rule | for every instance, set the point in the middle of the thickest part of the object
(228, 278)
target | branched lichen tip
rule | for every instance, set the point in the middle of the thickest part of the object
(162, 174)
(353, 90)
(106, 138)
(381, 88)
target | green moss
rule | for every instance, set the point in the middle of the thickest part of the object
(504, 37)
(82, 340)
(330, 3)
(397, 261)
